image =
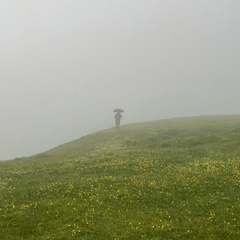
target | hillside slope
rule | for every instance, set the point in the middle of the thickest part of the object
(183, 132)
(167, 179)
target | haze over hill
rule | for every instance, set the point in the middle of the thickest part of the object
(65, 65)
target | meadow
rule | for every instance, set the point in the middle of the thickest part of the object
(167, 179)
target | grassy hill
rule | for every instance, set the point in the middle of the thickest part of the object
(167, 179)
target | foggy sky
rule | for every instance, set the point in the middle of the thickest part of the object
(66, 64)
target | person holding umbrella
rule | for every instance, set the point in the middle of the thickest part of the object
(118, 117)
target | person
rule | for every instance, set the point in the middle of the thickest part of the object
(118, 117)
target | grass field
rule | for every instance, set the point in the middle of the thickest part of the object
(168, 179)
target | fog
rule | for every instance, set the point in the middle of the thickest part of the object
(66, 64)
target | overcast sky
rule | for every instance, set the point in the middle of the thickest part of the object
(66, 64)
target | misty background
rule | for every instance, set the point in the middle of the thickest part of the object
(66, 64)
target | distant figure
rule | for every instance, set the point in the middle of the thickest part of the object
(118, 117)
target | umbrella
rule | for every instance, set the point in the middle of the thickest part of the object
(118, 110)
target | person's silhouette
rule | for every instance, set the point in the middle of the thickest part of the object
(117, 117)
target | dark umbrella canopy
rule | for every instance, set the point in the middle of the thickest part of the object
(118, 110)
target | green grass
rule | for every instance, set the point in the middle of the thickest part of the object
(169, 179)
